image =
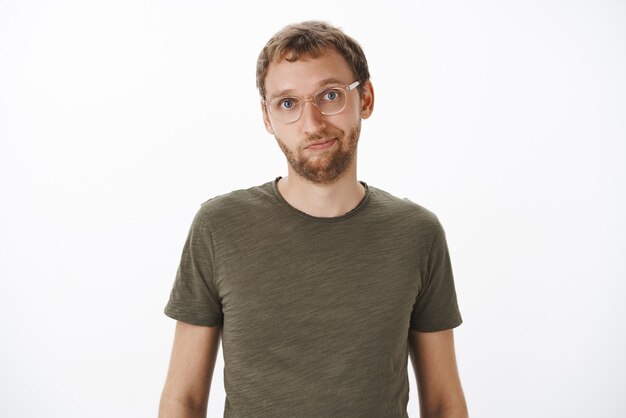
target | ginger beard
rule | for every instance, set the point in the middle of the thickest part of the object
(324, 166)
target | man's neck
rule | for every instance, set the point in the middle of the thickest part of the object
(322, 200)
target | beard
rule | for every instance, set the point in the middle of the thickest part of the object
(327, 166)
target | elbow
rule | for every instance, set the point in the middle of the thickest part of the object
(456, 410)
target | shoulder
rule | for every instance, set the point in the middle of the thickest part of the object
(236, 204)
(405, 210)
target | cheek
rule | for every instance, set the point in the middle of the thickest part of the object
(354, 110)
(286, 135)
(349, 117)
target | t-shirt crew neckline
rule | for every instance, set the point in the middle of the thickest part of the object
(349, 214)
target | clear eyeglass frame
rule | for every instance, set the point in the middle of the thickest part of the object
(295, 116)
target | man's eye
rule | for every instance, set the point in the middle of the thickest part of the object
(331, 95)
(286, 104)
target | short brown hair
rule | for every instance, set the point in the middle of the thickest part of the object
(311, 38)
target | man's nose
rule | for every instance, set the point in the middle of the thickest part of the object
(311, 120)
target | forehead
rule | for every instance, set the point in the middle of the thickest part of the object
(307, 73)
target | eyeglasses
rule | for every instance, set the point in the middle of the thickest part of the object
(328, 101)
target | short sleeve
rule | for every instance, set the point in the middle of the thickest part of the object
(436, 306)
(194, 297)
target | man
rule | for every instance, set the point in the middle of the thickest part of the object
(319, 286)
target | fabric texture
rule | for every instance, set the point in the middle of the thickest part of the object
(316, 311)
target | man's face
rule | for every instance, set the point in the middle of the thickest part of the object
(323, 163)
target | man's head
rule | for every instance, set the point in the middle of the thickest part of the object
(311, 39)
(315, 63)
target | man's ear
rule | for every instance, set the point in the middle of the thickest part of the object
(266, 118)
(367, 100)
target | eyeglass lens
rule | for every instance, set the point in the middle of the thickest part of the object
(328, 102)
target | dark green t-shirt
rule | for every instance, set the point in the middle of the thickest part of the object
(316, 311)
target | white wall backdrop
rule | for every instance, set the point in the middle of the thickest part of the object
(118, 118)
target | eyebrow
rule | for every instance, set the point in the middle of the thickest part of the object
(325, 82)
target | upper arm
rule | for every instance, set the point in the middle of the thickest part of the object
(191, 366)
(434, 362)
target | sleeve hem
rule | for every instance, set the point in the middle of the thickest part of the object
(441, 326)
(193, 318)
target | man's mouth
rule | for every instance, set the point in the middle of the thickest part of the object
(323, 144)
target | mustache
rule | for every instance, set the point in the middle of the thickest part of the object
(338, 134)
